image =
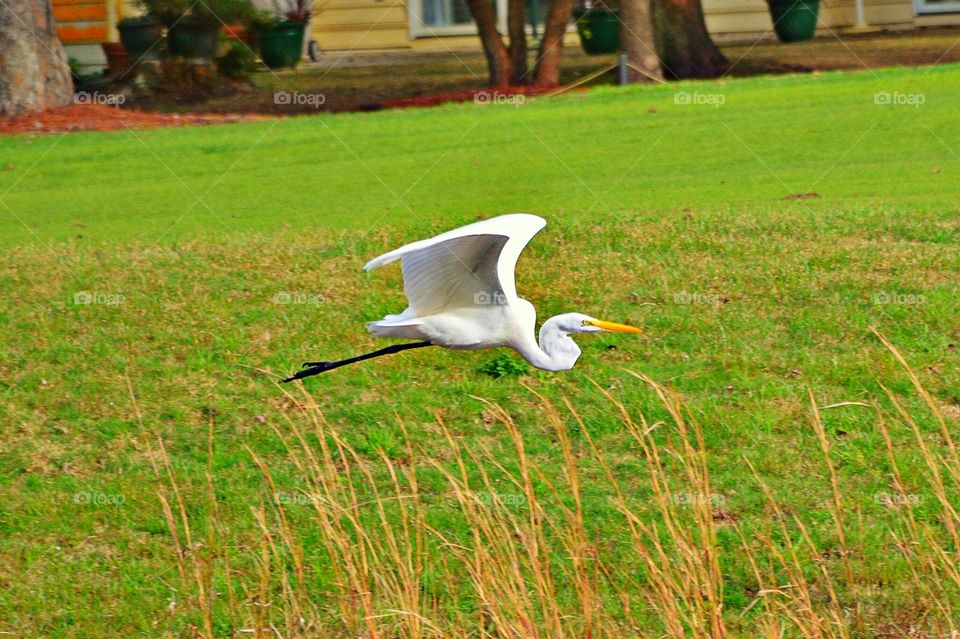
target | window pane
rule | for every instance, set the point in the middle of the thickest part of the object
(461, 13)
(442, 13)
(446, 13)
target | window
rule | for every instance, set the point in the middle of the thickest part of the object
(936, 6)
(439, 14)
(446, 17)
(452, 17)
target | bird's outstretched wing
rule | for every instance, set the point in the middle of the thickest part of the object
(467, 266)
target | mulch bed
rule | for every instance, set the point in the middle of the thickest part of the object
(99, 117)
(479, 96)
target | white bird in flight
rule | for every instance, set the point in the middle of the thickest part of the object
(462, 295)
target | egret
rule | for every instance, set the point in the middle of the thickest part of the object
(461, 295)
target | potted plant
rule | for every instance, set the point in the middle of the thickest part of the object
(193, 28)
(141, 36)
(280, 36)
(117, 57)
(599, 27)
(794, 20)
(193, 39)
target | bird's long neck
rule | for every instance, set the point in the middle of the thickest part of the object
(556, 351)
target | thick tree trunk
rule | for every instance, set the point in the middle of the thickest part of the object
(683, 43)
(637, 41)
(517, 30)
(551, 47)
(498, 59)
(34, 74)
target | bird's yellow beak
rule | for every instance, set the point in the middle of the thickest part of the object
(614, 327)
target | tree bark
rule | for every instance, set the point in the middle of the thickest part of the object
(34, 74)
(637, 41)
(683, 43)
(498, 58)
(551, 47)
(517, 30)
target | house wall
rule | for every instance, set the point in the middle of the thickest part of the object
(83, 24)
(376, 24)
(382, 24)
(360, 24)
(747, 20)
(82, 21)
(893, 14)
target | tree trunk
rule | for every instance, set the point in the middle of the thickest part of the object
(683, 43)
(517, 30)
(34, 74)
(637, 41)
(498, 59)
(551, 47)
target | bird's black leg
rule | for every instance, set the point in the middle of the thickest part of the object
(315, 368)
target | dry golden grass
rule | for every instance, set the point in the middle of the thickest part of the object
(532, 564)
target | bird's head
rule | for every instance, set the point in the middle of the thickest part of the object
(559, 351)
(572, 323)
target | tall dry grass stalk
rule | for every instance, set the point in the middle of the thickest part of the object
(934, 563)
(685, 585)
(501, 544)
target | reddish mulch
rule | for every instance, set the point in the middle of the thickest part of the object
(99, 117)
(480, 96)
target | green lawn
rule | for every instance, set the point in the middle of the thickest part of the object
(756, 235)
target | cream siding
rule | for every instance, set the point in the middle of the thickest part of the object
(893, 14)
(746, 20)
(468, 43)
(360, 24)
(383, 24)
(937, 20)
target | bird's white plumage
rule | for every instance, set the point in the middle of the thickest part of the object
(461, 294)
(458, 268)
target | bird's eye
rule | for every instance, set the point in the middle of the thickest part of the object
(585, 323)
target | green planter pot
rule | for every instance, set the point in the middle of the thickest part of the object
(193, 40)
(141, 37)
(599, 30)
(281, 45)
(794, 20)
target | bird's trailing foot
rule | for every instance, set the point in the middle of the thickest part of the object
(315, 368)
(310, 369)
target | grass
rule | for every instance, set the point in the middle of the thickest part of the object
(211, 255)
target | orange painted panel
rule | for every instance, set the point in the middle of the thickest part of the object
(80, 12)
(70, 34)
(65, 3)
